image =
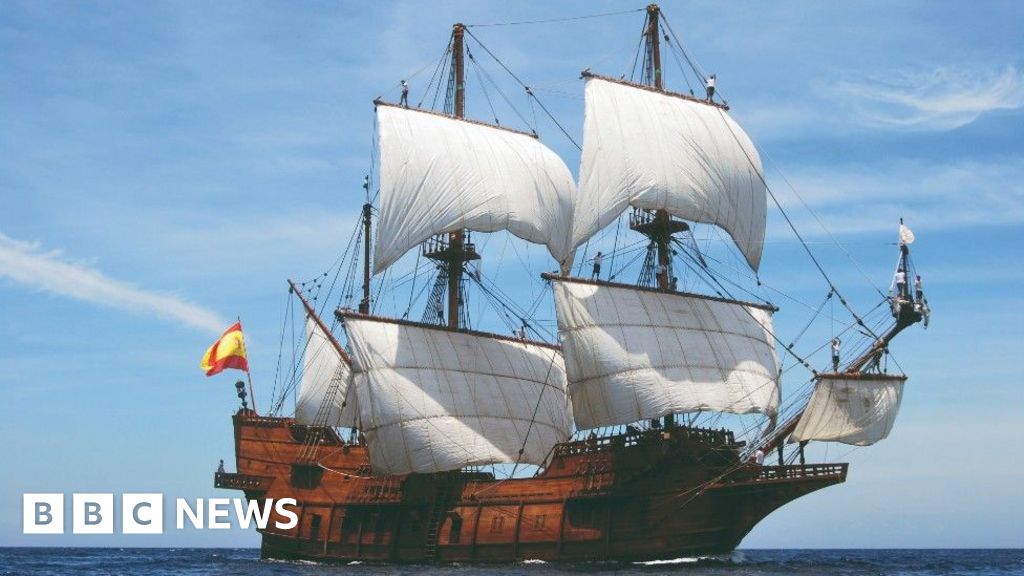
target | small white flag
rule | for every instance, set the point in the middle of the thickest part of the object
(906, 235)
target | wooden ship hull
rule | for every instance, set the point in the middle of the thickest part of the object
(646, 495)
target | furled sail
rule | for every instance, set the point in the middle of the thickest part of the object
(857, 409)
(323, 365)
(633, 353)
(655, 150)
(432, 400)
(441, 174)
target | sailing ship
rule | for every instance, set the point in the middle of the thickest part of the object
(614, 419)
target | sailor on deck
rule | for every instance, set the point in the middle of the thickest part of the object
(220, 467)
(709, 85)
(405, 94)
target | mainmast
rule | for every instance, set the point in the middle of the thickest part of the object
(653, 47)
(457, 251)
(456, 255)
(661, 227)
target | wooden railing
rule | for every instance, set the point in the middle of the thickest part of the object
(241, 481)
(250, 418)
(634, 437)
(799, 471)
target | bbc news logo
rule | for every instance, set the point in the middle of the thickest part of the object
(94, 513)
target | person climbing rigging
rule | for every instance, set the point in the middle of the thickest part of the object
(836, 345)
(405, 94)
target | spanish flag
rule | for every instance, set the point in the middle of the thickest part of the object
(228, 352)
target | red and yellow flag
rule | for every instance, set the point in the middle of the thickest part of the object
(228, 352)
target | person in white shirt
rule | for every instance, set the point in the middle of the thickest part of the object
(836, 344)
(405, 94)
(596, 272)
(901, 284)
(709, 84)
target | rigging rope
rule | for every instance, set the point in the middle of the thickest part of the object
(817, 219)
(436, 77)
(481, 70)
(792, 226)
(682, 49)
(527, 88)
(553, 20)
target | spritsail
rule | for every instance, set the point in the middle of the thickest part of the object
(858, 409)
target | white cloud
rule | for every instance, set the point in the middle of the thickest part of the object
(858, 198)
(27, 264)
(937, 100)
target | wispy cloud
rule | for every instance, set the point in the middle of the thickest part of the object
(858, 198)
(28, 264)
(941, 99)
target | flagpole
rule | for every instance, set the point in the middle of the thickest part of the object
(248, 376)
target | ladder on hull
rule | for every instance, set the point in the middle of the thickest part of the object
(435, 518)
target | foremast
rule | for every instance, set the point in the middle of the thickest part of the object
(475, 398)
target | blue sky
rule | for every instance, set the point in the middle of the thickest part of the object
(167, 165)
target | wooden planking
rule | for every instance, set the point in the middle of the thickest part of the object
(569, 512)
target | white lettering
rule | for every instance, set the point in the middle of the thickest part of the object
(253, 509)
(280, 507)
(183, 509)
(218, 509)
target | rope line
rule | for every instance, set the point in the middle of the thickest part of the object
(554, 20)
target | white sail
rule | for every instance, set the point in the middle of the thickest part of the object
(432, 400)
(439, 174)
(632, 354)
(322, 364)
(852, 409)
(653, 150)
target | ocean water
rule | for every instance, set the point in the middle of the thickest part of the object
(196, 561)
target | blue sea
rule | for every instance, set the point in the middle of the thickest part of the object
(188, 561)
